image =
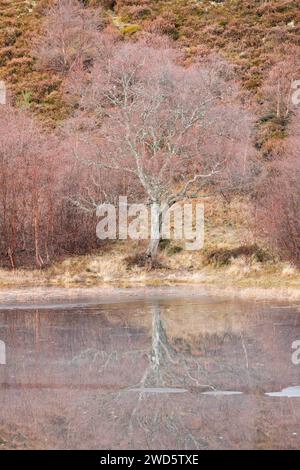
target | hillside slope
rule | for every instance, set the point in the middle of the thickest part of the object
(20, 22)
(251, 34)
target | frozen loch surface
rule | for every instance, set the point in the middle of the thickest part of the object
(162, 369)
(286, 392)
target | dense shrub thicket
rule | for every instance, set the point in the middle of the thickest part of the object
(84, 78)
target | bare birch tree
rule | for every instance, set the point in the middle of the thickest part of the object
(173, 130)
(70, 36)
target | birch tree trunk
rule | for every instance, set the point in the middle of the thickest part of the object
(157, 213)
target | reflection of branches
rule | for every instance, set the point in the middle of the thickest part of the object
(90, 356)
(167, 365)
(165, 370)
(102, 358)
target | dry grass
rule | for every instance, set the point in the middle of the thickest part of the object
(231, 259)
(241, 263)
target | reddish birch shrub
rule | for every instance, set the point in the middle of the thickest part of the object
(277, 87)
(38, 220)
(70, 36)
(278, 207)
(26, 168)
(275, 96)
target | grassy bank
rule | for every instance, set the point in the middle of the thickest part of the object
(243, 279)
(231, 259)
(112, 269)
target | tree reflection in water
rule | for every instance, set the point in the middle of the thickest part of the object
(132, 375)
